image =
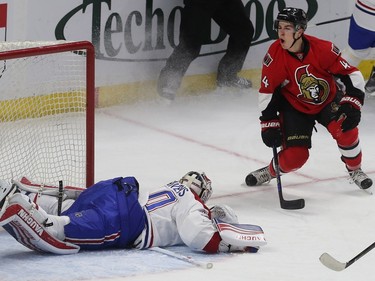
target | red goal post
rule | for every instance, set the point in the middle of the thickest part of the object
(47, 107)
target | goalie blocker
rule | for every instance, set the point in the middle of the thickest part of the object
(239, 237)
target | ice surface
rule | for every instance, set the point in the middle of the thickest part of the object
(219, 133)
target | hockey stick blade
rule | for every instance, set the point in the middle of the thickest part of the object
(330, 262)
(285, 204)
(292, 204)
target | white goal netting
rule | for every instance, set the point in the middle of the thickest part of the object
(43, 114)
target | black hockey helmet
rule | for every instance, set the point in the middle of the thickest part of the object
(294, 15)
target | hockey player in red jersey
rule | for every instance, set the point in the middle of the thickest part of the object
(299, 82)
(115, 213)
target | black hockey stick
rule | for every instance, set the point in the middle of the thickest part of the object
(327, 22)
(330, 262)
(285, 204)
(60, 198)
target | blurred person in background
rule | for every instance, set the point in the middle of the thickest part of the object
(361, 42)
(196, 18)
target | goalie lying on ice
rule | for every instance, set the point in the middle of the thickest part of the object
(114, 214)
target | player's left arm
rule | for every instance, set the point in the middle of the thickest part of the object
(202, 229)
(335, 64)
(351, 103)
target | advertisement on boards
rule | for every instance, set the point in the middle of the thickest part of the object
(133, 38)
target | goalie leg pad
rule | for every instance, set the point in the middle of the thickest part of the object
(70, 192)
(28, 226)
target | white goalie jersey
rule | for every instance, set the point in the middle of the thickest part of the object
(364, 14)
(174, 217)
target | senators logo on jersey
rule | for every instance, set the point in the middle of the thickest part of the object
(313, 90)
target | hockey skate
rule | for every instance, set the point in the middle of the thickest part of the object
(168, 85)
(360, 179)
(370, 85)
(259, 177)
(237, 82)
(167, 94)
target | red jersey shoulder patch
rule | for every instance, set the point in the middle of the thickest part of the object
(335, 50)
(267, 59)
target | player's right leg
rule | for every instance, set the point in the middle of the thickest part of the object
(290, 159)
(297, 130)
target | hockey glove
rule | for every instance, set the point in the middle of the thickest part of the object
(350, 109)
(271, 132)
(223, 213)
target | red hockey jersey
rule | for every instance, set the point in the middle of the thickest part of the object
(307, 82)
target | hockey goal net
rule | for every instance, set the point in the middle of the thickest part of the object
(47, 104)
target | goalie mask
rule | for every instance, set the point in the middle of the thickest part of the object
(199, 183)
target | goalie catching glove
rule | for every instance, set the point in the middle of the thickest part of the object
(224, 213)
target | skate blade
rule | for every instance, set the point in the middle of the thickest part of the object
(368, 190)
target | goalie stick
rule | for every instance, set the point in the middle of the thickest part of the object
(285, 204)
(206, 265)
(330, 262)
